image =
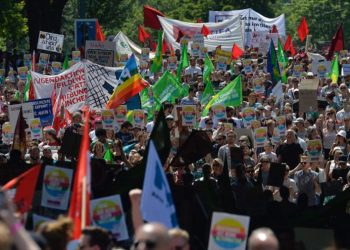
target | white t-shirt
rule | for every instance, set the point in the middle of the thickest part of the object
(193, 70)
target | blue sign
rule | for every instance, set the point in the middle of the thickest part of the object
(42, 109)
(85, 29)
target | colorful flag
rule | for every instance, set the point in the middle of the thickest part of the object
(236, 52)
(157, 61)
(196, 146)
(150, 17)
(167, 88)
(303, 29)
(57, 108)
(19, 137)
(143, 35)
(131, 84)
(282, 60)
(272, 64)
(78, 211)
(208, 69)
(25, 185)
(208, 93)
(99, 33)
(337, 43)
(156, 202)
(231, 95)
(108, 157)
(183, 62)
(335, 69)
(205, 31)
(288, 46)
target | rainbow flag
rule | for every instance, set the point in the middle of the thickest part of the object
(131, 83)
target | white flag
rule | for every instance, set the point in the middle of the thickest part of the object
(156, 202)
(277, 91)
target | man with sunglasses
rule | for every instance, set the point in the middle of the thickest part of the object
(152, 236)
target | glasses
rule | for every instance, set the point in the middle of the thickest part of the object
(149, 244)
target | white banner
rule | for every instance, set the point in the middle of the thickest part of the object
(225, 33)
(50, 42)
(56, 187)
(83, 83)
(253, 21)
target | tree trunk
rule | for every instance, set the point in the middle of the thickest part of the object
(43, 15)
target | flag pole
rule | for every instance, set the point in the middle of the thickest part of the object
(83, 204)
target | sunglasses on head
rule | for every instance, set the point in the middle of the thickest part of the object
(149, 244)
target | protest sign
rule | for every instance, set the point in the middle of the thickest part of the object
(172, 63)
(247, 64)
(145, 54)
(321, 70)
(345, 70)
(27, 109)
(308, 95)
(120, 113)
(107, 118)
(57, 182)
(107, 212)
(197, 44)
(297, 70)
(314, 150)
(35, 129)
(225, 54)
(84, 29)
(56, 68)
(99, 52)
(22, 73)
(43, 59)
(276, 138)
(219, 111)
(228, 231)
(203, 52)
(50, 42)
(221, 63)
(138, 118)
(76, 56)
(260, 136)
(42, 109)
(7, 133)
(281, 125)
(27, 59)
(188, 115)
(259, 87)
(248, 115)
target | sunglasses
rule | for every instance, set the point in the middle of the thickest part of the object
(149, 244)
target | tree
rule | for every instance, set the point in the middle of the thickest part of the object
(13, 26)
(43, 15)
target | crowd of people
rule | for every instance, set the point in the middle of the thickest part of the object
(233, 177)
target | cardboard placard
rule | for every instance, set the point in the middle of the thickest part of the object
(248, 115)
(107, 118)
(99, 52)
(308, 95)
(314, 149)
(50, 42)
(260, 136)
(189, 115)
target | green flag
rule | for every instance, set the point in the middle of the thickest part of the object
(167, 88)
(27, 87)
(183, 62)
(208, 68)
(231, 95)
(283, 61)
(335, 69)
(108, 157)
(157, 61)
(65, 62)
(207, 93)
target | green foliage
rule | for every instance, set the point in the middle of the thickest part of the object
(13, 26)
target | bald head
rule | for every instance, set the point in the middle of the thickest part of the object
(152, 234)
(263, 239)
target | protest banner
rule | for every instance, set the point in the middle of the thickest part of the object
(314, 150)
(84, 30)
(281, 125)
(120, 113)
(228, 231)
(260, 136)
(189, 115)
(172, 63)
(107, 212)
(308, 95)
(99, 52)
(219, 111)
(57, 183)
(7, 133)
(22, 73)
(35, 129)
(38, 220)
(56, 68)
(248, 115)
(107, 118)
(50, 42)
(76, 56)
(138, 118)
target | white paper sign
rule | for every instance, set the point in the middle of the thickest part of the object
(107, 212)
(56, 187)
(228, 231)
(50, 42)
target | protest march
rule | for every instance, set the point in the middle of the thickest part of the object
(207, 135)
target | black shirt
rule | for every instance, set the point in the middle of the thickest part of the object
(290, 154)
